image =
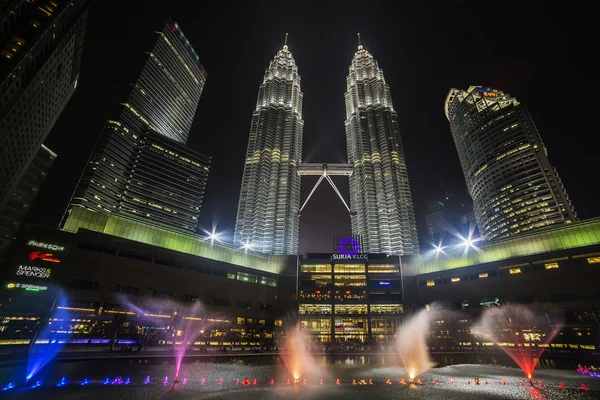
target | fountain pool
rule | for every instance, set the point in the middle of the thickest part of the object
(267, 377)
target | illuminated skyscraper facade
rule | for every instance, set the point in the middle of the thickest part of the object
(380, 198)
(267, 217)
(140, 167)
(41, 45)
(513, 186)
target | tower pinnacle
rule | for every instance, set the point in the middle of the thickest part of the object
(360, 47)
(285, 47)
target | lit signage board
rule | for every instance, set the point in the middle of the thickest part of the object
(357, 256)
(27, 287)
(384, 283)
(38, 255)
(487, 92)
(34, 272)
(348, 246)
(47, 246)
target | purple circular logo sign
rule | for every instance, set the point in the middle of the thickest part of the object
(348, 246)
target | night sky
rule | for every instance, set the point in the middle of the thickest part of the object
(539, 53)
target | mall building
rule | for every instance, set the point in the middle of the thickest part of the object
(119, 281)
(124, 279)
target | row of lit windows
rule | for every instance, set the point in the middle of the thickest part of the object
(350, 268)
(512, 271)
(351, 309)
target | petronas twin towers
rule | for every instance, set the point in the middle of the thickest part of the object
(381, 208)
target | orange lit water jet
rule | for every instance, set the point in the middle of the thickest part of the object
(411, 342)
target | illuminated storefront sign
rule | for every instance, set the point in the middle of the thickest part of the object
(359, 256)
(487, 92)
(382, 283)
(34, 272)
(47, 246)
(27, 287)
(38, 255)
(348, 246)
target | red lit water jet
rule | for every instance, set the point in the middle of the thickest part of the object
(518, 332)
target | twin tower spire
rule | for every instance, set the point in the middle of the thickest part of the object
(381, 207)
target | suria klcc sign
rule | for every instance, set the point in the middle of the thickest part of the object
(358, 256)
(349, 250)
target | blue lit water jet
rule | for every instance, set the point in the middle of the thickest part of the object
(51, 337)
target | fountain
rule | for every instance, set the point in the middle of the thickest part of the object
(50, 337)
(411, 342)
(190, 331)
(515, 324)
(297, 357)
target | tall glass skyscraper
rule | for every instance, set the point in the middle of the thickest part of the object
(267, 218)
(513, 186)
(380, 198)
(41, 45)
(140, 167)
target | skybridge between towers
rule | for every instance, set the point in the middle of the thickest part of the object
(325, 171)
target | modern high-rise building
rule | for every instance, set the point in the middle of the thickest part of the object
(140, 167)
(15, 210)
(41, 44)
(513, 186)
(436, 223)
(267, 217)
(380, 198)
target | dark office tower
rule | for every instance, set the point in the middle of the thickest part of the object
(435, 219)
(140, 166)
(513, 186)
(41, 44)
(267, 218)
(165, 97)
(380, 198)
(468, 222)
(13, 214)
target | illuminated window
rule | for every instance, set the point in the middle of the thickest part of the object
(593, 260)
(315, 309)
(385, 268)
(484, 275)
(316, 268)
(350, 308)
(278, 322)
(349, 268)
(456, 279)
(551, 265)
(430, 283)
(351, 280)
(386, 309)
(514, 271)
(240, 320)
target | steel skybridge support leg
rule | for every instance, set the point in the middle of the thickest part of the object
(311, 192)
(337, 191)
